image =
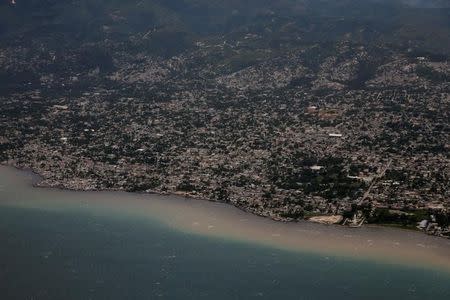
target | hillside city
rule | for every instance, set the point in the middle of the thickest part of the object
(344, 132)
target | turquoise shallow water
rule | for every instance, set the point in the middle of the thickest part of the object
(74, 255)
(69, 245)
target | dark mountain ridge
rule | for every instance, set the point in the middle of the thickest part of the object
(86, 20)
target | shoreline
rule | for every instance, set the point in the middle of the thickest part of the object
(373, 243)
(40, 178)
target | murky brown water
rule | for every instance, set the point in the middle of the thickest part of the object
(386, 245)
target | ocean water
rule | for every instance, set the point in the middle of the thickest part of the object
(75, 252)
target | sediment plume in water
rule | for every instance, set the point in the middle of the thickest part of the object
(385, 245)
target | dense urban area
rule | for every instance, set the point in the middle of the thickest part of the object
(323, 118)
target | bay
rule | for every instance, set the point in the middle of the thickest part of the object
(57, 244)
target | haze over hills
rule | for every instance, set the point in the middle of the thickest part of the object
(85, 20)
(167, 28)
(427, 3)
(289, 109)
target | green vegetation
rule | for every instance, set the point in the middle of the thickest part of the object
(431, 74)
(405, 219)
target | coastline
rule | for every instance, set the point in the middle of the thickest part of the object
(219, 220)
(39, 179)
